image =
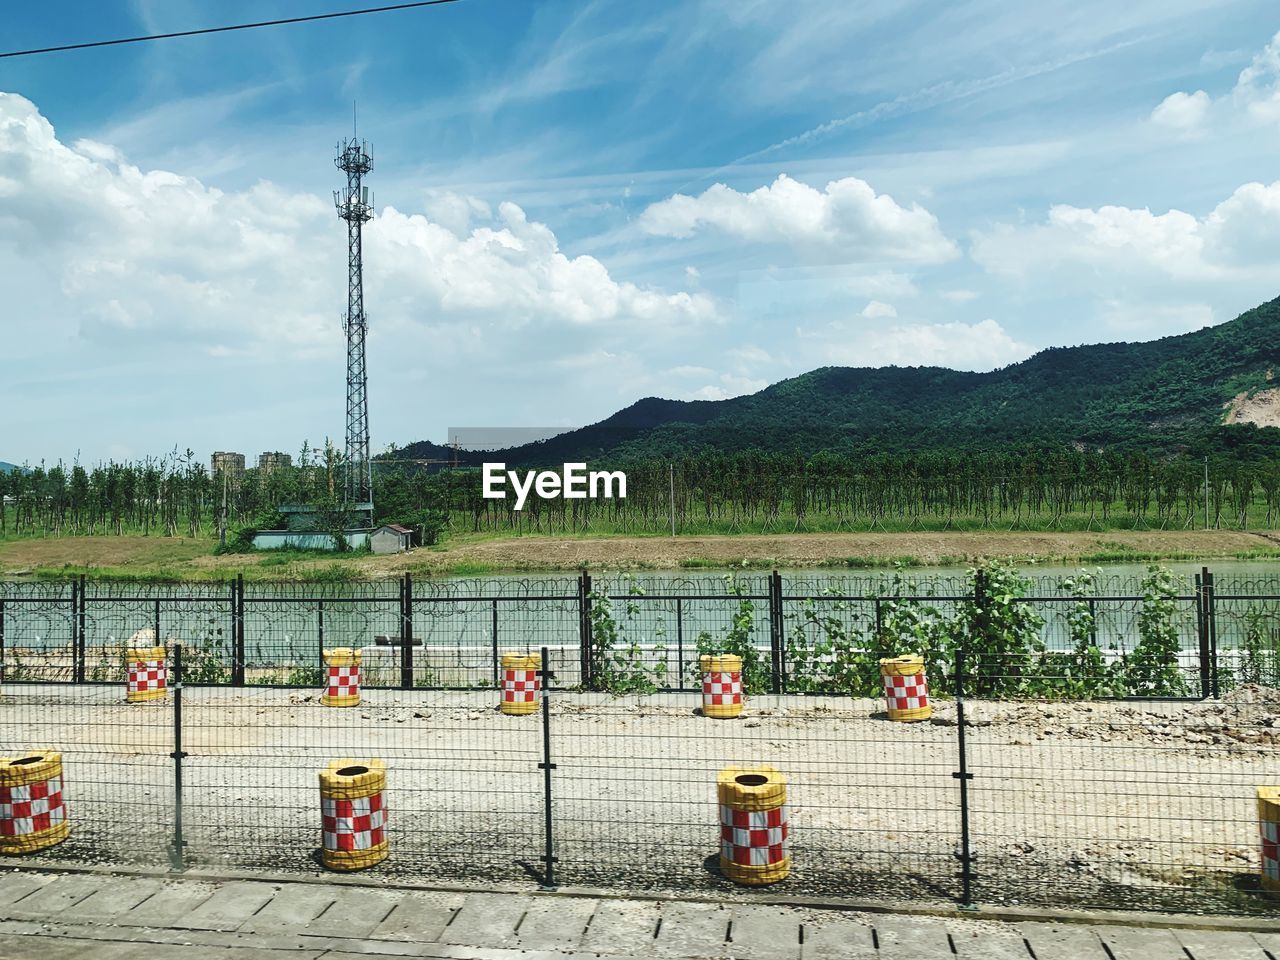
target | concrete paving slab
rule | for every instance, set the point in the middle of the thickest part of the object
(487, 919)
(67, 948)
(53, 899)
(986, 942)
(1220, 945)
(618, 926)
(759, 932)
(1269, 942)
(1130, 943)
(232, 905)
(1062, 941)
(912, 938)
(356, 912)
(15, 884)
(555, 923)
(693, 930)
(833, 937)
(115, 898)
(293, 907)
(416, 917)
(174, 900)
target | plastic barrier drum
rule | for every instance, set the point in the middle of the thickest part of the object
(33, 810)
(906, 688)
(1269, 833)
(344, 678)
(521, 682)
(721, 685)
(148, 674)
(353, 812)
(754, 842)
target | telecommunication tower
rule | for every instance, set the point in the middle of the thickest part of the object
(354, 207)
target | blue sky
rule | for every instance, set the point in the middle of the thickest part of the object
(584, 202)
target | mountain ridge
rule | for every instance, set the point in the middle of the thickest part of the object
(1162, 395)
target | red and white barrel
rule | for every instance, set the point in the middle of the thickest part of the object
(343, 688)
(353, 814)
(521, 683)
(147, 674)
(721, 685)
(33, 810)
(906, 688)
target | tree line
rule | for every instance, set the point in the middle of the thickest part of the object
(713, 492)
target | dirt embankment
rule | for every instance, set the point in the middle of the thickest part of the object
(184, 558)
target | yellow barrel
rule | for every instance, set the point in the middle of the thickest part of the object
(721, 685)
(147, 674)
(353, 814)
(906, 688)
(521, 682)
(343, 689)
(1269, 834)
(754, 841)
(33, 810)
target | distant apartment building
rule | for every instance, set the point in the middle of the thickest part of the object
(273, 460)
(231, 463)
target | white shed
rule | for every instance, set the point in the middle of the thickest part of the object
(391, 538)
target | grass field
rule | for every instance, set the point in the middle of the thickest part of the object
(162, 558)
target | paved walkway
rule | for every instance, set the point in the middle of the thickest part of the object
(58, 916)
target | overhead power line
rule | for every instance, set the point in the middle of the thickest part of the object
(227, 29)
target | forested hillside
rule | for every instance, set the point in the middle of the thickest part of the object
(1163, 396)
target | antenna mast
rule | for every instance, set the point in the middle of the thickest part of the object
(354, 207)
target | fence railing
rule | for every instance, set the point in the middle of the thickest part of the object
(801, 634)
(1123, 804)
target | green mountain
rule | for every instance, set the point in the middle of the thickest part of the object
(1194, 391)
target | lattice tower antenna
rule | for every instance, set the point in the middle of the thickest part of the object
(354, 206)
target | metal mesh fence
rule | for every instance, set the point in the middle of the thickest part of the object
(1111, 743)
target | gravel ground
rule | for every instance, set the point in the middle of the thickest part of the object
(1114, 804)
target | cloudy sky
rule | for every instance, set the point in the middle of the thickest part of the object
(585, 202)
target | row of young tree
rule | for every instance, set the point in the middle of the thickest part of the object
(747, 491)
(755, 491)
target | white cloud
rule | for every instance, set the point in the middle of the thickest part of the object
(959, 346)
(729, 385)
(958, 296)
(1182, 112)
(847, 219)
(159, 255)
(875, 310)
(1258, 87)
(1236, 239)
(1256, 96)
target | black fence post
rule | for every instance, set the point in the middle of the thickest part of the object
(585, 666)
(406, 632)
(679, 642)
(320, 635)
(1211, 618)
(159, 639)
(546, 766)
(497, 682)
(1202, 634)
(82, 625)
(177, 857)
(1, 640)
(237, 634)
(77, 665)
(775, 632)
(964, 776)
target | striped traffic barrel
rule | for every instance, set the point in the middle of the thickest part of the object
(147, 674)
(33, 807)
(721, 685)
(754, 833)
(521, 682)
(906, 688)
(343, 686)
(1269, 835)
(353, 813)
